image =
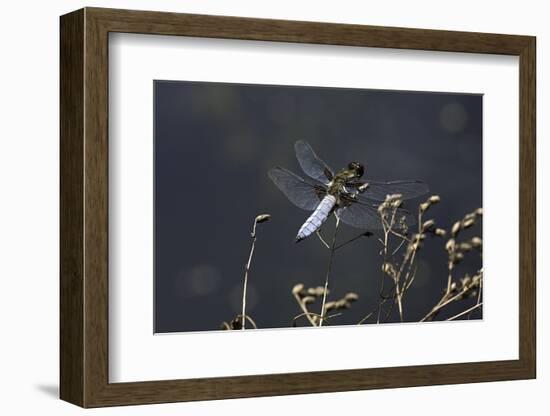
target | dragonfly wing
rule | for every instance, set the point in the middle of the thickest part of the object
(377, 190)
(365, 216)
(311, 164)
(301, 193)
(360, 216)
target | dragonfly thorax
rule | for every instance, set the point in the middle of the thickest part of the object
(340, 184)
(353, 172)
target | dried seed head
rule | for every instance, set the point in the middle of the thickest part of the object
(403, 227)
(381, 208)
(317, 291)
(434, 199)
(397, 203)
(308, 299)
(440, 232)
(418, 237)
(298, 289)
(388, 269)
(393, 197)
(466, 280)
(457, 258)
(456, 228)
(428, 224)
(236, 323)
(262, 218)
(477, 279)
(453, 286)
(351, 297)
(476, 242)
(450, 246)
(465, 246)
(479, 211)
(424, 206)
(363, 187)
(468, 223)
(343, 304)
(330, 306)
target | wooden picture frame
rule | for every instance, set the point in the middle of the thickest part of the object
(84, 207)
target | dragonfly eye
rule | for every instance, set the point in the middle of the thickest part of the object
(357, 167)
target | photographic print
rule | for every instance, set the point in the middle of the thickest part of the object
(301, 207)
(238, 207)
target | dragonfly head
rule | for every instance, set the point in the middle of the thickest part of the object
(357, 168)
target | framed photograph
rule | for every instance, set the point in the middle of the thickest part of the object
(256, 207)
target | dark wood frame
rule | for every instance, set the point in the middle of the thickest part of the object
(84, 208)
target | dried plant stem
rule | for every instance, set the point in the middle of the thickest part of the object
(331, 256)
(445, 300)
(310, 314)
(395, 233)
(450, 277)
(403, 241)
(408, 259)
(480, 289)
(456, 250)
(249, 319)
(388, 229)
(365, 318)
(458, 315)
(409, 281)
(381, 299)
(304, 309)
(259, 219)
(399, 300)
(408, 262)
(322, 239)
(246, 270)
(384, 299)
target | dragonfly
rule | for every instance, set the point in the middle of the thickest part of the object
(354, 201)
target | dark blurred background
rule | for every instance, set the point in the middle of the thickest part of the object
(214, 144)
